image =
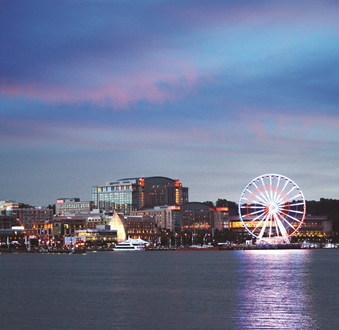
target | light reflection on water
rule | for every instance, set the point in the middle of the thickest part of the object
(274, 291)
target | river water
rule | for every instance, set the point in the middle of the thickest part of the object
(260, 289)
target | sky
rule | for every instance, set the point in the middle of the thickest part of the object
(211, 92)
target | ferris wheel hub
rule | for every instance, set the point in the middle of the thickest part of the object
(272, 207)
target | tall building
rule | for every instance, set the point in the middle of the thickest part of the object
(159, 191)
(131, 194)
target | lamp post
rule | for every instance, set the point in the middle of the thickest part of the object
(193, 237)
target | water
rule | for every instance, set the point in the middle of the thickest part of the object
(270, 289)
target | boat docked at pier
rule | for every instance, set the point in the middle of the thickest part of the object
(131, 245)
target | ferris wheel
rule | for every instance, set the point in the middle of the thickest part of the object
(272, 208)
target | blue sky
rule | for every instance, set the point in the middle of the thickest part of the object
(214, 93)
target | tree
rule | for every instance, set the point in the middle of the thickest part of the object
(24, 206)
(226, 203)
(329, 207)
(209, 203)
(52, 207)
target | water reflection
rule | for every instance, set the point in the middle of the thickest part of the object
(274, 290)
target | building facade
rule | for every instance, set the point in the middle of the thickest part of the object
(7, 222)
(189, 217)
(143, 227)
(165, 217)
(196, 216)
(73, 205)
(132, 194)
(160, 191)
(221, 220)
(316, 225)
(67, 226)
(96, 237)
(33, 218)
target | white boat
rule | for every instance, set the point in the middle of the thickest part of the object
(131, 245)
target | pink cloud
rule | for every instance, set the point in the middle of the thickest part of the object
(161, 82)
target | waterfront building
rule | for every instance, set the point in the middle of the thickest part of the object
(189, 216)
(92, 219)
(67, 225)
(102, 236)
(165, 217)
(73, 205)
(44, 231)
(316, 225)
(12, 238)
(312, 226)
(34, 217)
(195, 216)
(221, 220)
(131, 194)
(143, 227)
(173, 218)
(7, 222)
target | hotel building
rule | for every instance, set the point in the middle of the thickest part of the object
(131, 194)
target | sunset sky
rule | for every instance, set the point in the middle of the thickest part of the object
(211, 92)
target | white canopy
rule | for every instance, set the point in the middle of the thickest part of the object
(136, 241)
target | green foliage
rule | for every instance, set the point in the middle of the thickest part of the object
(24, 206)
(52, 207)
(209, 203)
(222, 203)
(329, 207)
(325, 206)
(225, 202)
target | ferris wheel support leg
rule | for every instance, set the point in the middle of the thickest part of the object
(286, 240)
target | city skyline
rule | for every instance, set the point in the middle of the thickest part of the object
(213, 93)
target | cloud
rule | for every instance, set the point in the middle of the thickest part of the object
(122, 54)
(213, 92)
(152, 80)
